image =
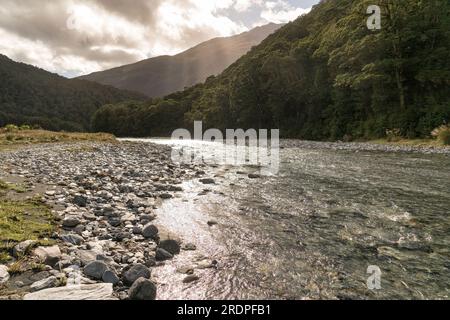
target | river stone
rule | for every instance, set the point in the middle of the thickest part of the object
(110, 277)
(86, 256)
(170, 245)
(71, 222)
(4, 275)
(150, 231)
(143, 289)
(48, 255)
(162, 255)
(72, 238)
(208, 181)
(191, 278)
(135, 272)
(22, 248)
(100, 291)
(44, 284)
(95, 269)
(80, 201)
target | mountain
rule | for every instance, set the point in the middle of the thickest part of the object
(29, 95)
(157, 77)
(325, 76)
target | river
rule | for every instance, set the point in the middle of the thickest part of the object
(312, 230)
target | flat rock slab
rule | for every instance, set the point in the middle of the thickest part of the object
(101, 291)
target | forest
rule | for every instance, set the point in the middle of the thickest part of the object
(35, 97)
(325, 76)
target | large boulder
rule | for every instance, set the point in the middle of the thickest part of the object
(143, 289)
(100, 291)
(135, 272)
(48, 255)
(95, 270)
(4, 274)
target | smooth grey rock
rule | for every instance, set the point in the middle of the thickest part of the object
(95, 269)
(86, 256)
(71, 222)
(73, 239)
(110, 277)
(50, 282)
(100, 291)
(163, 255)
(150, 231)
(135, 272)
(4, 274)
(170, 245)
(143, 289)
(191, 278)
(48, 255)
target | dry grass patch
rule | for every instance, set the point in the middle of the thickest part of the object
(19, 137)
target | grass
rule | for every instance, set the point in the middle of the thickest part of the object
(24, 220)
(5, 187)
(10, 138)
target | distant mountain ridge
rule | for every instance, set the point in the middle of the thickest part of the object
(160, 76)
(30, 95)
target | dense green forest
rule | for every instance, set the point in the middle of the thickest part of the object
(32, 96)
(323, 76)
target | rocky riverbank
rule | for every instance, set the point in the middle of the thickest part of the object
(365, 146)
(104, 197)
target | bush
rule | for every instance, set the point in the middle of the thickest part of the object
(24, 127)
(394, 135)
(442, 134)
(11, 128)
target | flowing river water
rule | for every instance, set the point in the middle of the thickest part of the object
(312, 230)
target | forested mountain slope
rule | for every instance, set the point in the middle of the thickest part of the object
(157, 77)
(323, 76)
(29, 95)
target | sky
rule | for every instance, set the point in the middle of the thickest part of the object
(76, 37)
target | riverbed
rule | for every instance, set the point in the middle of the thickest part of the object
(312, 230)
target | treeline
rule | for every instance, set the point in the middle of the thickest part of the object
(29, 95)
(323, 76)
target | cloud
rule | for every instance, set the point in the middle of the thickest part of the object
(74, 37)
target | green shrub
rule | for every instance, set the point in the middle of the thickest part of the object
(11, 128)
(25, 127)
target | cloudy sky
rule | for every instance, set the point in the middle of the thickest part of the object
(75, 37)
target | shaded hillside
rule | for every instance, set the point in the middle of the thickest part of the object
(323, 76)
(157, 77)
(29, 95)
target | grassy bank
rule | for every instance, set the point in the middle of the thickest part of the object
(23, 220)
(23, 137)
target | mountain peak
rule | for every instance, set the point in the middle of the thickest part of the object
(160, 76)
